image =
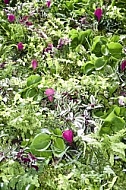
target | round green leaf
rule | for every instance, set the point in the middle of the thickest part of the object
(99, 63)
(33, 79)
(43, 153)
(104, 50)
(115, 49)
(59, 144)
(57, 131)
(88, 68)
(41, 142)
(31, 93)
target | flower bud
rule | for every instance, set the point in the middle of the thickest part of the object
(98, 13)
(68, 135)
(11, 18)
(34, 64)
(20, 46)
(50, 94)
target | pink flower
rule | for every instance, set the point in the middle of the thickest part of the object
(50, 94)
(20, 46)
(6, 1)
(11, 18)
(68, 135)
(34, 64)
(98, 13)
(123, 65)
(48, 3)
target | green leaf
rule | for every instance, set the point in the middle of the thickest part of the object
(104, 50)
(88, 67)
(115, 38)
(59, 144)
(100, 63)
(41, 142)
(98, 41)
(31, 93)
(42, 153)
(57, 131)
(84, 37)
(74, 37)
(115, 49)
(112, 123)
(33, 79)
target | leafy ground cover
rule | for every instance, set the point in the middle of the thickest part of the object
(62, 95)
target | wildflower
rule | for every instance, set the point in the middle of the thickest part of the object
(6, 1)
(34, 64)
(50, 94)
(11, 18)
(20, 46)
(98, 13)
(68, 135)
(48, 3)
(123, 65)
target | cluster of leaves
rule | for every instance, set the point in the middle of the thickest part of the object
(78, 54)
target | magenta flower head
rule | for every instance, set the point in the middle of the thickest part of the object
(50, 94)
(20, 46)
(123, 65)
(98, 13)
(68, 135)
(48, 3)
(6, 1)
(34, 64)
(11, 18)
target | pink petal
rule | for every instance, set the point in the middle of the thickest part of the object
(98, 13)
(68, 136)
(34, 64)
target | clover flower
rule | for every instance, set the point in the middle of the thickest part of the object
(68, 135)
(50, 94)
(11, 18)
(98, 13)
(20, 46)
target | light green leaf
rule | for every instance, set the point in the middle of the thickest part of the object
(100, 63)
(41, 142)
(33, 79)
